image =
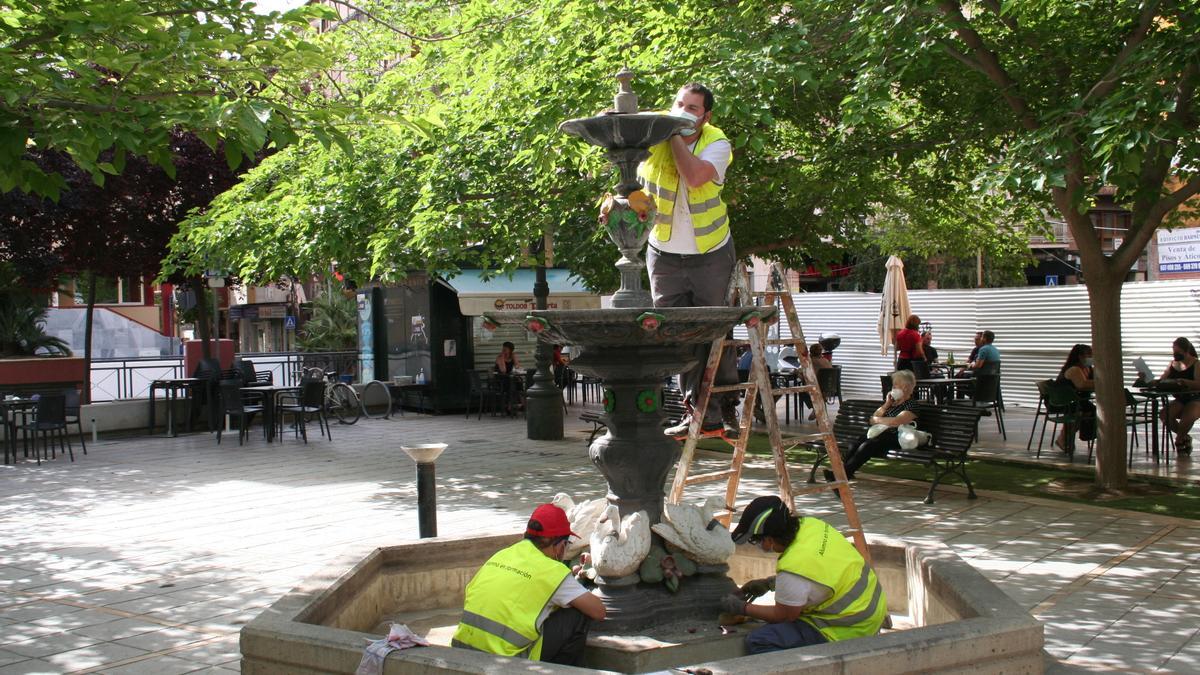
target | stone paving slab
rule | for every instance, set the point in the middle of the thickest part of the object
(148, 554)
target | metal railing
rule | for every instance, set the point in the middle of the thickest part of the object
(130, 378)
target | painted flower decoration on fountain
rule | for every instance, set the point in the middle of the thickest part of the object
(536, 324)
(751, 319)
(609, 401)
(650, 321)
(647, 400)
(489, 323)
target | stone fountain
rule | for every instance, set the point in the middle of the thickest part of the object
(632, 348)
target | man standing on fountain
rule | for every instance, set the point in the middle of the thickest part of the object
(691, 255)
(525, 603)
(824, 590)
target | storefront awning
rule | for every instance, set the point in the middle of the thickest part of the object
(515, 293)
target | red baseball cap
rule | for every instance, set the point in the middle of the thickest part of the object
(549, 520)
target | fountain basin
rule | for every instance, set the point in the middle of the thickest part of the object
(632, 326)
(617, 131)
(959, 620)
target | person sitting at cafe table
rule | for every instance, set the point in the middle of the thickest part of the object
(984, 357)
(931, 354)
(1182, 413)
(1077, 371)
(506, 366)
(898, 409)
(908, 344)
(816, 354)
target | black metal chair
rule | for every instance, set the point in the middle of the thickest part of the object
(311, 401)
(73, 408)
(1062, 407)
(986, 395)
(49, 415)
(1041, 412)
(483, 391)
(1138, 414)
(234, 405)
(920, 369)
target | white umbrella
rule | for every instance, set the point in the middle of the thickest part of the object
(894, 309)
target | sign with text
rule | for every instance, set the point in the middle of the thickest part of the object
(1179, 250)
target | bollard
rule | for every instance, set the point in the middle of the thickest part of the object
(425, 455)
(95, 432)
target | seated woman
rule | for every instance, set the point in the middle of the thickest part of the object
(908, 344)
(897, 409)
(1182, 413)
(1077, 371)
(505, 367)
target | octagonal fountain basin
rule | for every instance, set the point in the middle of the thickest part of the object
(947, 618)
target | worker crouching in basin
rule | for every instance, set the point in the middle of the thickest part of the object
(525, 603)
(824, 590)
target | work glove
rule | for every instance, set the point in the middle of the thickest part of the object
(733, 604)
(758, 588)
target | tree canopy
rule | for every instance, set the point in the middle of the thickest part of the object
(104, 80)
(465, 165)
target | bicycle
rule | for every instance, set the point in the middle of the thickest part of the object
(341, 401)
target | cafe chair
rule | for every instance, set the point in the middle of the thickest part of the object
(73, 406)
(49, 419)
(986, 395)
(311, 401)
(1138, 414)
(482, 392)
(1041, 412)
(234, 406)
(1062, 407)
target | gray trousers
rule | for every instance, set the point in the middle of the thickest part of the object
(700, 280)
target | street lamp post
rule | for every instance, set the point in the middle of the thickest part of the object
(543, 401)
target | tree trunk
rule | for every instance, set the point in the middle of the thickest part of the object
(202, 326)
(86, 394)
(1104, 301)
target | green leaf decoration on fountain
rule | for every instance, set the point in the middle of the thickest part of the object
(536, 324)
(609, 401)
(647, 400)
(489, 323)
(651, 320)
(629, 219)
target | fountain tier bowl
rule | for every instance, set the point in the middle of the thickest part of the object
(956, 620)
(633, 327)
(634, 131)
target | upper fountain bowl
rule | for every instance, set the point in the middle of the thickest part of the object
(617, 131)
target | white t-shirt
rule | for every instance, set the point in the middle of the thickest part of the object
(683, 236)
(564, 595)
(794, 590)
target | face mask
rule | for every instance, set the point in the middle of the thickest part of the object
(1178, 356)
(683, 114)
(1087, 363)
(897, 393)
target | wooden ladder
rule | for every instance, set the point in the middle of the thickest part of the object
(760, 383)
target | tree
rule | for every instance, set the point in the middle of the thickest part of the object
(118, 230)
(1066, 98)
(101, 81)
(469, 166)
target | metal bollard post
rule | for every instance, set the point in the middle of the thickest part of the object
(425, 455)
(95, 432)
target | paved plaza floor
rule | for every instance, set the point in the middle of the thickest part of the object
(148, 554)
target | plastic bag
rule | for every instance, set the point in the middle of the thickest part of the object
(877, 429)
(912, 437)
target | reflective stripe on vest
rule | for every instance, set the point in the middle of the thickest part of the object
(504, 600)
(857, 606)
(660, 179)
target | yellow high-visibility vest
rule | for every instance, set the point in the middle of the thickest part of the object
(710, 218)
(857, 606)
(504, 599)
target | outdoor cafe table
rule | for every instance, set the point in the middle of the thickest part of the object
(171, 389)
(9, 409)
(941, 388)
(270, 395)
(1155, 396)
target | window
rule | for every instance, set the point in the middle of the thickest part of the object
(111, 291)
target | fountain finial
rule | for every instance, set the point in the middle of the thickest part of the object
(625, 102)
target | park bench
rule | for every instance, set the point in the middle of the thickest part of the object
(673, 407)
(952, 429)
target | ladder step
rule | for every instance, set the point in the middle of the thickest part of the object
(745, 386)
(797, 389)
(709, 477)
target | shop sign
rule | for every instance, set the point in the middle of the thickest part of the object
(1179, 250)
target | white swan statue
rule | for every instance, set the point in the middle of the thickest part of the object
(583, 517)
(619, 545)
(695, 531)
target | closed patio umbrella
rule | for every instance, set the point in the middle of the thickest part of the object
(893, 309)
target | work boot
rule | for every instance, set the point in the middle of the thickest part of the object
(680, 428)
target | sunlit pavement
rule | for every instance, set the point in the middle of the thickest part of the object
(148, 554)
